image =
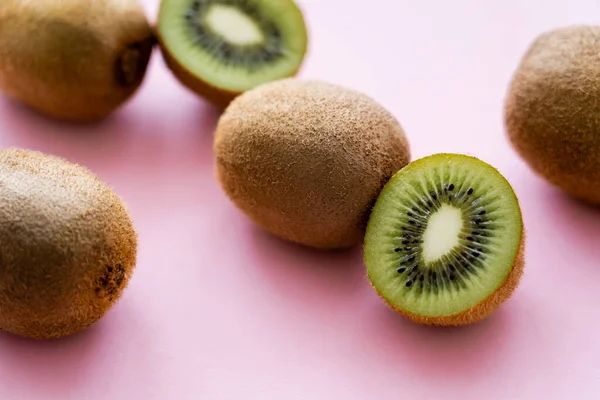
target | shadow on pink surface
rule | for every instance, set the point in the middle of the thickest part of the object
(79, 364)
(51, 367)
(125, 141)
(578, 220)
(298, 272)
(332, 286)
(456, 355)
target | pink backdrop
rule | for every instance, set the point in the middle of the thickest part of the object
(217, 309)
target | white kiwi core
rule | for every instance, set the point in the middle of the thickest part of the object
(234, 25)
(442, 232)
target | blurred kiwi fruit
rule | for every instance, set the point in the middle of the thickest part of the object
(552, 117)
(67, 246)
(221, 48)
(305, 160)
(445, 242)
(77, 60)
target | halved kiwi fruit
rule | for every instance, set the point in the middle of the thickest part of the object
(222, 48)
(445, 240)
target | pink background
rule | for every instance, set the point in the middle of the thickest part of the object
(217, 309)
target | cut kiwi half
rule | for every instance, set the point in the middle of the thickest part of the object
(445, 241)
(222, 48)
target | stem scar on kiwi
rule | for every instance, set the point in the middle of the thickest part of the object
(445, 241)
(551, 110)
(67, 246)
(222, 48)
(85, 59)
(306, 159)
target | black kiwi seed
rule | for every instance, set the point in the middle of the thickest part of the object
(470, 191)
(451, 187)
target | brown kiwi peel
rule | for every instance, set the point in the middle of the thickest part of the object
(67, 246)
(305, 160)
(550, 112)
(85, 59)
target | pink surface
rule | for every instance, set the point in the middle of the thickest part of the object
(217, 309)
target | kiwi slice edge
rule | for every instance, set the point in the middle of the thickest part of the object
(205, 61)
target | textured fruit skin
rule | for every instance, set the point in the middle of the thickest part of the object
(67, 246)
(76, 60)
(482, 310)
(219, 97)
(305, 160)
(551, 110)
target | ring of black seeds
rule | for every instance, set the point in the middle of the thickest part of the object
(248, 56)
(452, 269)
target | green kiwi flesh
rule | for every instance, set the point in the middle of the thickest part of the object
(444, 236)
(221, 48)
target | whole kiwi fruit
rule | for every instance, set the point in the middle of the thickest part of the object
(552, 117)
(219, 49)
(67, 245)
(305, 159)
(76, 60)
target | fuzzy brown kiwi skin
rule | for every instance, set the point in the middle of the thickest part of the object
(67, 246)
(550, 110)
(305, 160)
(482, 310)
(91, 56)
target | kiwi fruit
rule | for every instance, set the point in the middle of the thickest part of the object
(551, 110)
(221, 48)
(67, 245)
(306, 159)
(445, 241)
(76, 60)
